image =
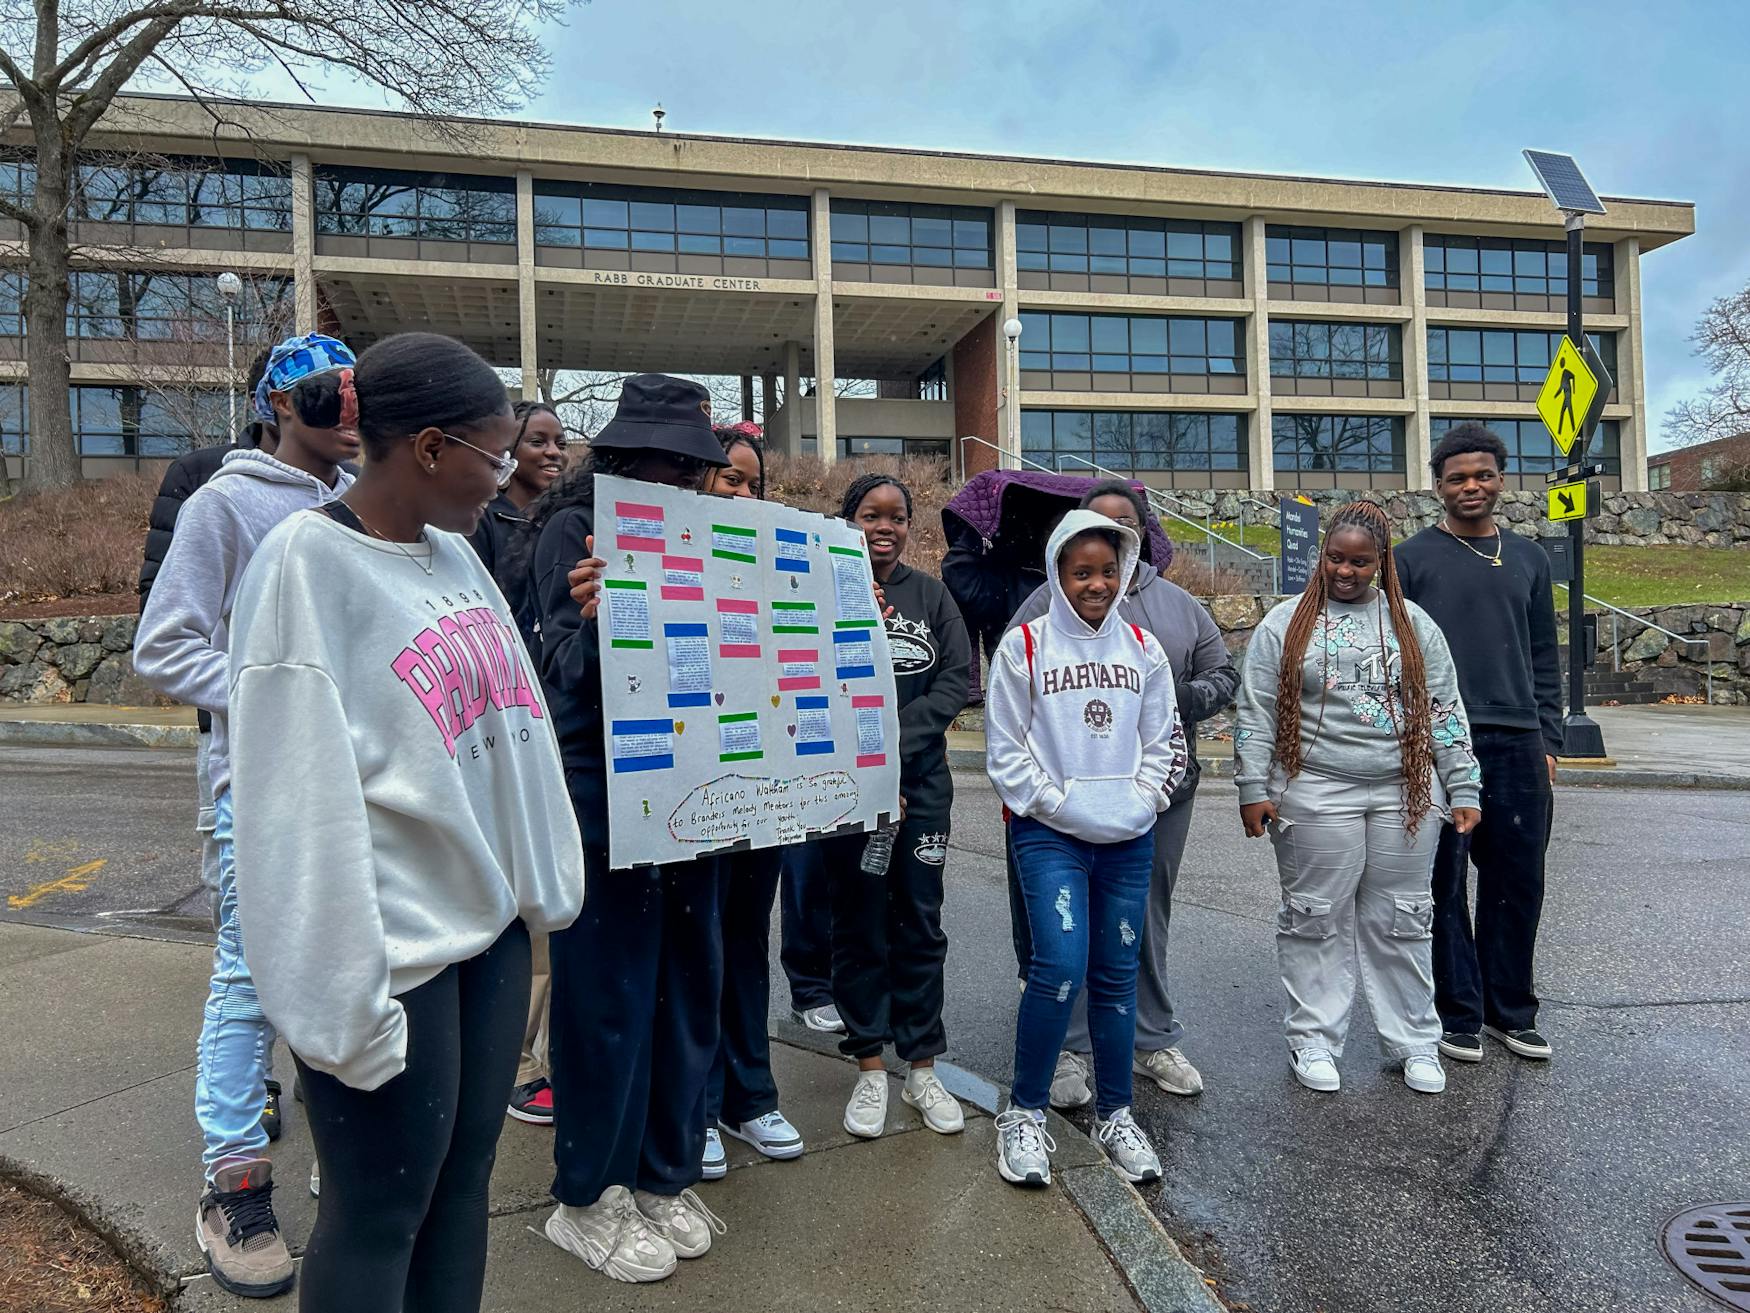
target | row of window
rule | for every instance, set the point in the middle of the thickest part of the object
(1131, 344)
(122, 420)
(688, 223)
(1495, 355)
(1530, 450)
(154, 305)
(1131, 247)
(481, 208)
(1305, 349)
(1512, 265)
(1074, 440)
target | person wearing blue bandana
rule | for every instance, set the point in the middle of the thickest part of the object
(183, 650)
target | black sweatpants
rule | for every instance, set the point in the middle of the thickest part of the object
(1485, 978)
(888, 949)
(402, 1219)
(633, 1028)
(741, 1086)
(806, 928)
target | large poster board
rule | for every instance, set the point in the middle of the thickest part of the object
(747, 687)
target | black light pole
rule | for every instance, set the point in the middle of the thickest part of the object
(1581, 736)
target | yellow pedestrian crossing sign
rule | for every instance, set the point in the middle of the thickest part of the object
(1573, 394)
(1573, 501)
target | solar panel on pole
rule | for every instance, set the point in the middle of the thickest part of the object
(1563, 182)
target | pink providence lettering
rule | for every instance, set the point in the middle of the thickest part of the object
(471, 660)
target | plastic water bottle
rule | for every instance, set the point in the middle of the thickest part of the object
(878, 851)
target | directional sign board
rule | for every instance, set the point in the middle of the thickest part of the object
(1574, 501)
(1300, 542)
(1573, 395)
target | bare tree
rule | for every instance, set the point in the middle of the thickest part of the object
(1722, 338)
(67, 67)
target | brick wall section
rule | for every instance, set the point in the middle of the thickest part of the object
(976, 394)
(1725, 456)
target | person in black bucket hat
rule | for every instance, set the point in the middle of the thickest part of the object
(636, 980)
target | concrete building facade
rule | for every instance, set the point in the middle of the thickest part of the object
(1197, 329)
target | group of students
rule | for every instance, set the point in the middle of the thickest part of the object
(401, 668)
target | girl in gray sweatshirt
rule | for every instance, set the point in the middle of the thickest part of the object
(1352, 744)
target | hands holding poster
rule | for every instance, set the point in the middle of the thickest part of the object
(747, 687)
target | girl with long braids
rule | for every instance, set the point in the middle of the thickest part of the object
(888, 948)
(742, 1097)
(1352, 743)
(637, 978)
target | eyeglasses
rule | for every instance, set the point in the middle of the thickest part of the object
(505, 466)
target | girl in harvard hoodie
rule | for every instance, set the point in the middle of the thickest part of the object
(1085, 746)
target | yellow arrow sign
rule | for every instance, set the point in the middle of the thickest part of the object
(1567, 501)
(1568, 391)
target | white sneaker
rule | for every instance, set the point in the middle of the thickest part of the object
(1424, 1074)
(824, 1019)
(1169, 1069)
(772, 1135)
(1024, 1147)
(924, 1091)
(681, 1219)
(1315, 1069)
(1069, 1082)
(1127, 1148)
(866, 1113)
(612, 1236)
(715, 1165)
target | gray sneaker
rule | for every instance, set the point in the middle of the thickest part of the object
(1024, 1147)
(1069, 1082)
(235, 1227)
(1128, 1148)
(1170, 1070)
(825, 1019)
(681, 1219)
(613, 1237)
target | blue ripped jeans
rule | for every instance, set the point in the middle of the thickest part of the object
(1086, 907)
(236, 1045)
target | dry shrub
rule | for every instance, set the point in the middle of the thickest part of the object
(83, 541)
(1191, 572)
(813, 485)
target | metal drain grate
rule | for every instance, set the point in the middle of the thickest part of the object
(1711, 1246)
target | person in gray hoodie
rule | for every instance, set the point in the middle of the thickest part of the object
(183, 650)
(1205, 678)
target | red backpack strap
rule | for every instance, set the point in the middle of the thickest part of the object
(1027, 638)
(1137, 630)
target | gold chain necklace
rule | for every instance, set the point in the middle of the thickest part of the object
(1500, 542)
(400, 547)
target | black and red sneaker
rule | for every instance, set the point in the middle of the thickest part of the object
(533, 1102)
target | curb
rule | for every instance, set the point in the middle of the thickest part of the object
(94, 734)
(1150, 1261)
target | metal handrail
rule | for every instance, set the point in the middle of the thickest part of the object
(1616, 634)
(1155, 493)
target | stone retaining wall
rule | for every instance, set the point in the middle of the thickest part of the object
(72, 659)
(1647, 666)
(1632, 519)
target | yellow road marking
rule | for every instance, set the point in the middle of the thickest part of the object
(76, 881)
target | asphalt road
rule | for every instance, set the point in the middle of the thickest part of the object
(1524, 1187)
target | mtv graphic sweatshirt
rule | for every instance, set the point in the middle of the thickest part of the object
(1082, 731)
(182, 645)
(398, 792)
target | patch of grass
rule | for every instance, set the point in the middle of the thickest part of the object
(1666, 576)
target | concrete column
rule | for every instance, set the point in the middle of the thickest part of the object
(303, 244)
(1631, 386)
(747, 396)
(768, 402)
(1418, 435)
(1008, 361)
(792, 436)
(825, 413)
(1260, 462)
(525, 283)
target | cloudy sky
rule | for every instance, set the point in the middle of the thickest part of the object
(1654, 100)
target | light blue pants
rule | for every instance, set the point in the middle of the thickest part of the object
(236, 1044)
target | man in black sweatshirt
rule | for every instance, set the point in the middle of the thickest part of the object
(1489, 591)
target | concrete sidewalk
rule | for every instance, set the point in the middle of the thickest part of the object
(96, 1097)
